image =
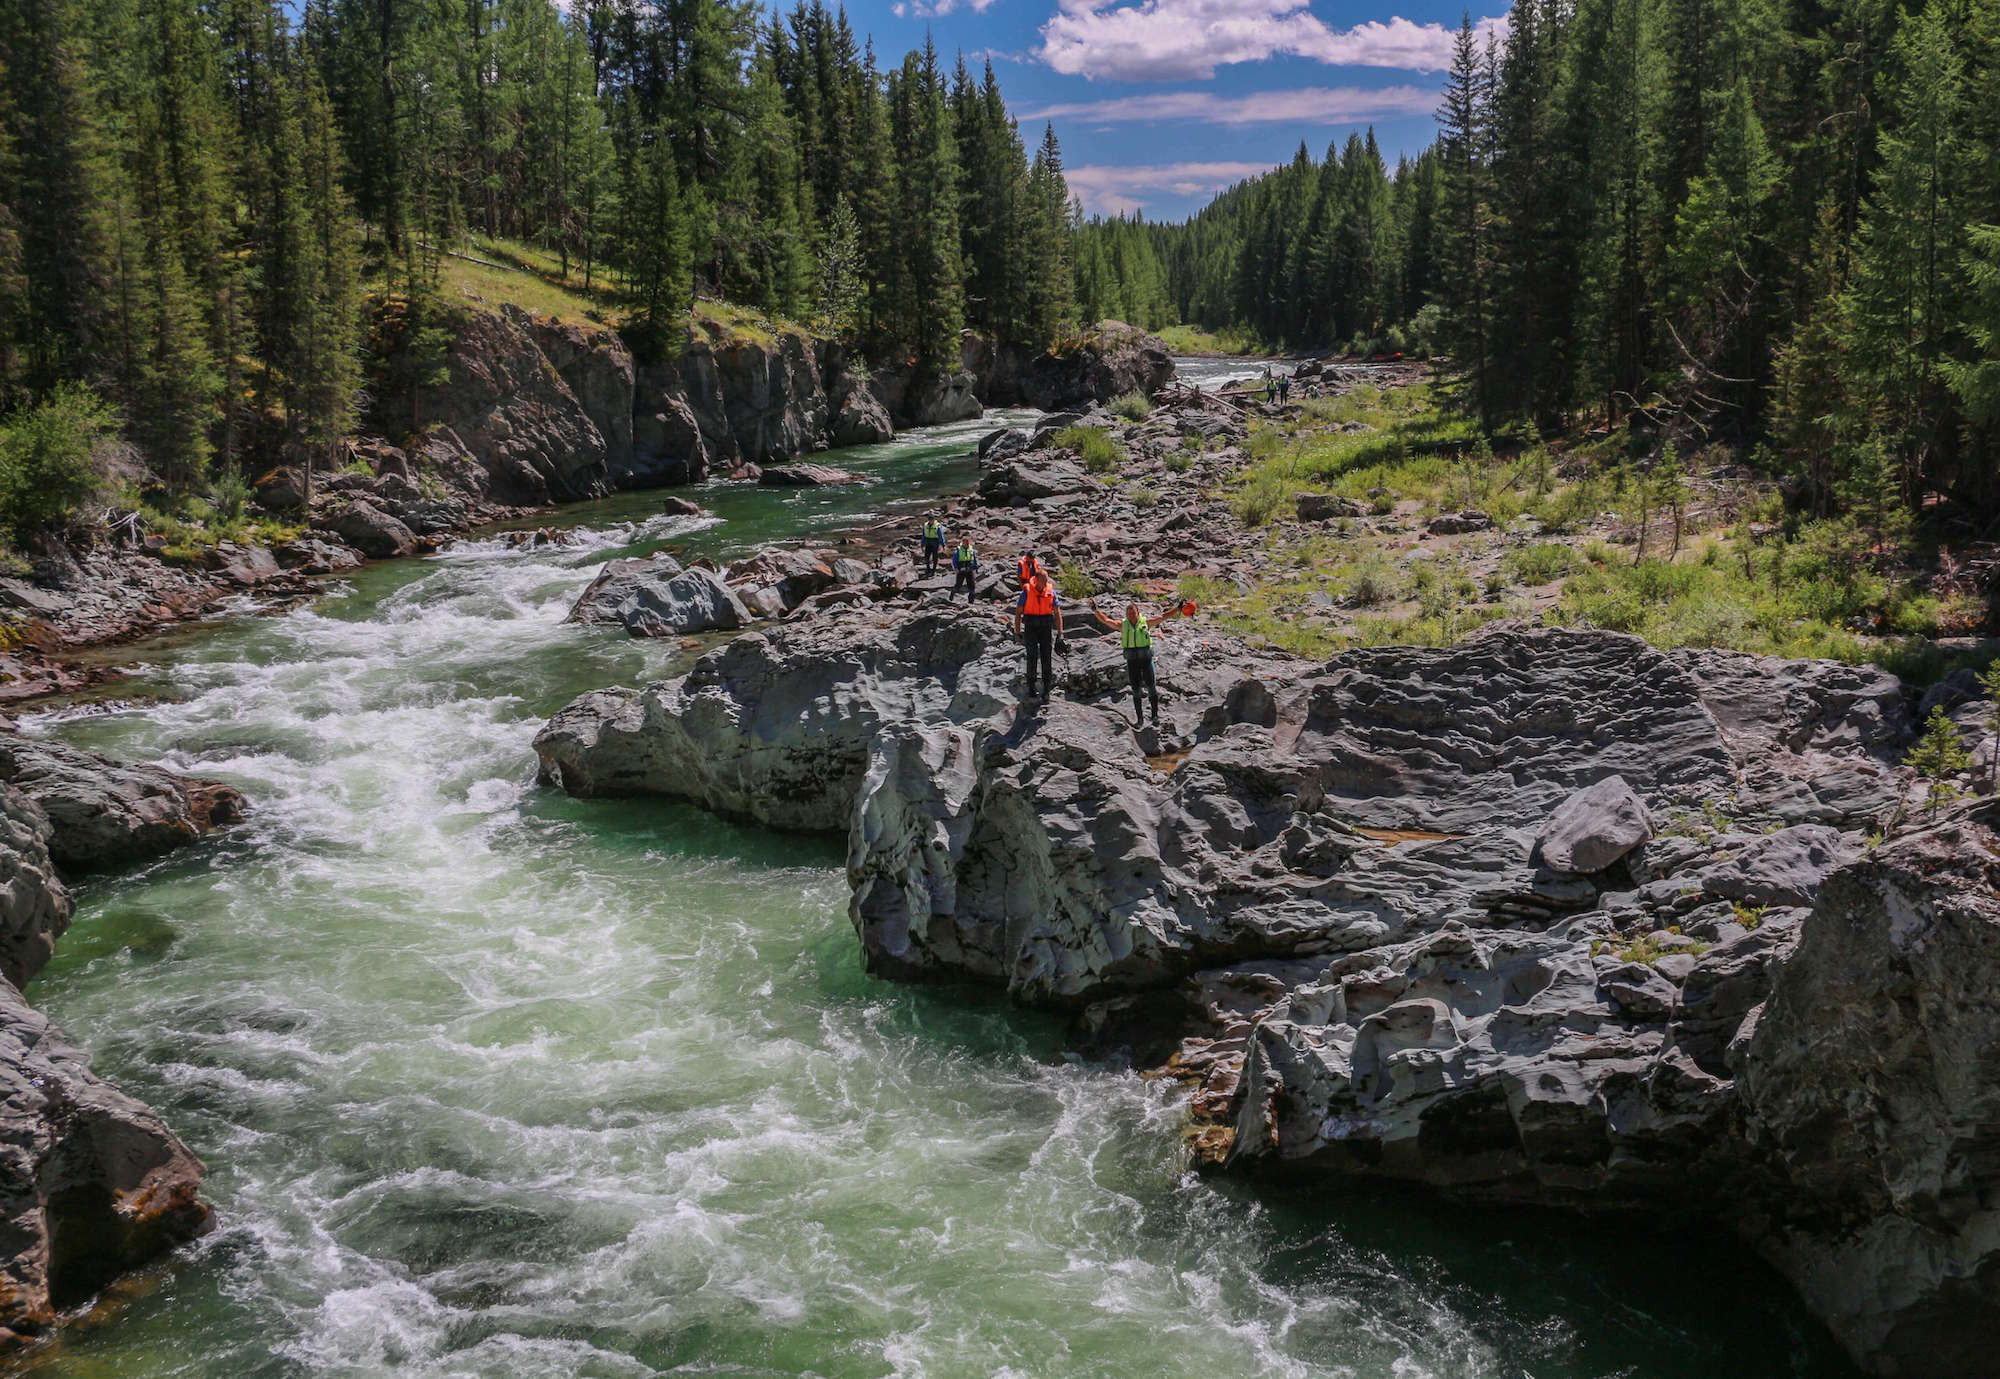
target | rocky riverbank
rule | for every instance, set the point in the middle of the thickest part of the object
(1547, 916)
(527, 412)
(92, 1183)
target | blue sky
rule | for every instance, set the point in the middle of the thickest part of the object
(1159, 104)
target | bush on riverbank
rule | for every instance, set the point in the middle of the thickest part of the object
(51, 460)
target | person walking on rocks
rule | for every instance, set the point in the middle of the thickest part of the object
(965, 567)
(933, 544)
(1038, 610)
(1135, 635)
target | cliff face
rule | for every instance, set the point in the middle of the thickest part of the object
(549, 412)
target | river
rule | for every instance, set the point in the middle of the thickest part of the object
(495, 1083)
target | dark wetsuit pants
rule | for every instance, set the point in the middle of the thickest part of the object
(1139, 670)
(932, 550)
(1038, 633)
(966, 574)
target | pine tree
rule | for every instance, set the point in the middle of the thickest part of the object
(1467, 266)
(1906, 250)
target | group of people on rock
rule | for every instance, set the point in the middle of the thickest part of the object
(1037, 619)
(1277, 387)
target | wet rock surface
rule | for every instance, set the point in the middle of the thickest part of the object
(92, 1183)
(104, 813)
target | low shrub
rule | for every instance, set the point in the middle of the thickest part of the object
(1093, 445)
(49, 467)
(1258, 501)
(1074, 582)
(1133, 406)
(1543, 564)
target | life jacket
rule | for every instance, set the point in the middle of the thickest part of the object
(933, 532)
(965, 556)
(1029, 569)
(1136, 635)
(1040, 601)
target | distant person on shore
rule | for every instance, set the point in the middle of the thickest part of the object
(1284, 387)
(933, 543)
(1270, 386)
(1135, 637)
(1038, 622)
(965, 567)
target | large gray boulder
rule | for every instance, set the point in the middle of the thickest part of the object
(371, 531)
(1594, 828)
(656, 597)
(104, 813)
(92, 1183)
(1871, 1084)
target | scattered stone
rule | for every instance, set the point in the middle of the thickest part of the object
(1324, 507)
(1458, 523)
(807, 476)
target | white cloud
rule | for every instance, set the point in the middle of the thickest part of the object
(933, 9)
(1111, 190)
(1308, 105)
(1171, 40)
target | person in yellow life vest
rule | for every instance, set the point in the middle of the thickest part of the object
(1039, 612)
(1135, 635)
(965, 566)
(933, 543)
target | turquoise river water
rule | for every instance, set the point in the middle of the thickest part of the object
(494, 1083)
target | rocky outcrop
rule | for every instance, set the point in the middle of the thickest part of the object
(1108, 361)
(507, 405)
(1869, 1081)
(34, 906)
(105, 813)
(1547, 917)
(92, 1183)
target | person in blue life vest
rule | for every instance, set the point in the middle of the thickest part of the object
(1135, 636)
(965, 566)
(933, 535)
(1038, 622)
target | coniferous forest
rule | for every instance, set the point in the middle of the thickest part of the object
(211, 211)
(1766, 223)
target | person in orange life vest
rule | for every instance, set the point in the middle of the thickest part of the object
(1038, 610)
(1135, 635)
(1027, 568)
